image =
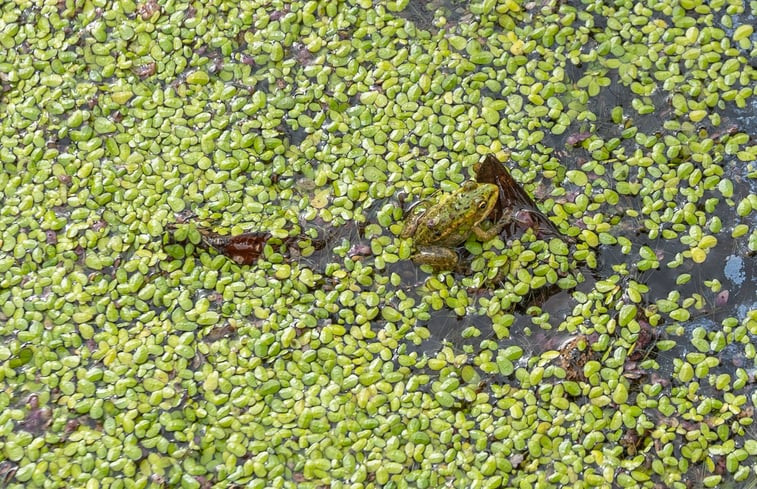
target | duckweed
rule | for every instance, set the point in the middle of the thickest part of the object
(617, 352)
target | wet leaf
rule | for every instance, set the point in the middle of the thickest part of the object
(243, 248)
(513, 199)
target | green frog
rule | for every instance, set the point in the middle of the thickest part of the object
(442, 222)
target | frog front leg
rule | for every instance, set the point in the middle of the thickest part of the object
(437, 256)
(486, 234)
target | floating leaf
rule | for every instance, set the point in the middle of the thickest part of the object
(513, 199)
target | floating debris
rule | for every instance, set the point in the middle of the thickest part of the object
(244, 249)
(574, 353)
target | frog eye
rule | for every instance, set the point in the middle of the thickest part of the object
(482, 204)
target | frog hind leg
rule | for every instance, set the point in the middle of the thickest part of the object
(438, 257)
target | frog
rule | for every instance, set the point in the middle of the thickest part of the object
(445, 220)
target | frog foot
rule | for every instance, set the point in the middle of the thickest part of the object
(437, 256)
